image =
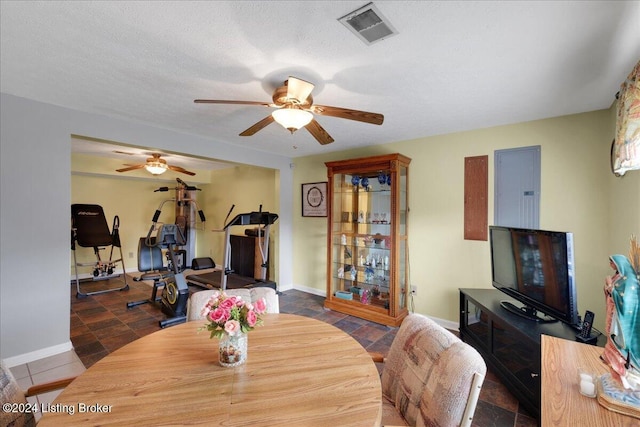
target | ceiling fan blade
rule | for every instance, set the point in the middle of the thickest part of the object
(298, 89)
(130, 168)
(181, 170)
(222, 101)
(318, 132)
(345, 113)
(258, 126)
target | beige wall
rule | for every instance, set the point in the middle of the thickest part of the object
(577, 191)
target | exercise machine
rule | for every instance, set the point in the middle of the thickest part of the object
(89, 229)
(263, 220)
(226, 277)
(175, 291)
(185, 218)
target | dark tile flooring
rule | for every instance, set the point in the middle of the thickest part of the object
(102, 323)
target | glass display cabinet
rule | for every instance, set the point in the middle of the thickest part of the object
(367, 274)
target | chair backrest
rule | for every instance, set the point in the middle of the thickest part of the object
(90, 225)
(431, 376)
(197, 300)
(149, 257)
(10, 392)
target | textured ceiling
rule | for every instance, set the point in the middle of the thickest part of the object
(454, 66)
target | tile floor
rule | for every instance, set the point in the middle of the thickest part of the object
(102, 323)
(61, 365)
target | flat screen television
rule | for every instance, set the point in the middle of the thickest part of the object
(536, 268)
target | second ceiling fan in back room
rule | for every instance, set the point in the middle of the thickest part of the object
(295, 109)
(156, 166)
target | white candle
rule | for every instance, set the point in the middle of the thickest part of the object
(587, 388)
(586, 377)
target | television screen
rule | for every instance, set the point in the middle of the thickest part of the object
(536, 268)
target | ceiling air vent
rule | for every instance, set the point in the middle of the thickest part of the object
(368, 24)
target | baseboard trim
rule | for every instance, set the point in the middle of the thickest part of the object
(447, 324)
(309, 290)
(38, 354)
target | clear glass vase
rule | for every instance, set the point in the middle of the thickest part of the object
(233, 349)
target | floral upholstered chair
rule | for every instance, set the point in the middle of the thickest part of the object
(429, 377)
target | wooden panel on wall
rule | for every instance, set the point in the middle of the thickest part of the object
(476, 183)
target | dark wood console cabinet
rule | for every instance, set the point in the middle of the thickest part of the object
(246, 259)
(509, 344)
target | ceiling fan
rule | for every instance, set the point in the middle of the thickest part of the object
(295, 109)
(156, 166)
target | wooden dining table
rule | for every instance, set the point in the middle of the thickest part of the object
(299, 372)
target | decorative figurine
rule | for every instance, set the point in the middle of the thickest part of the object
(368, 274)
(365, 183)
(365, 298)
(619, 390)
(622, 350)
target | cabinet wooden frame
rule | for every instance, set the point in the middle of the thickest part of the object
(354, 229)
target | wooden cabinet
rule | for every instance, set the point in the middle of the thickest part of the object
(246, 259)
(367, 248)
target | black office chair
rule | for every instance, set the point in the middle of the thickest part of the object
(89, 229)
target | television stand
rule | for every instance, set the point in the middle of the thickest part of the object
(527, 312)
(509, 343)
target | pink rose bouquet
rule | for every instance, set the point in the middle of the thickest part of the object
(229, 314)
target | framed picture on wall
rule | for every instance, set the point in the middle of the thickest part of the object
(314, 199)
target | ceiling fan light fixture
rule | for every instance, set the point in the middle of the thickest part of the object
(292, 118)
(156, 168)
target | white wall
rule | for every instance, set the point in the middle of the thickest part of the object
(35, 163)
